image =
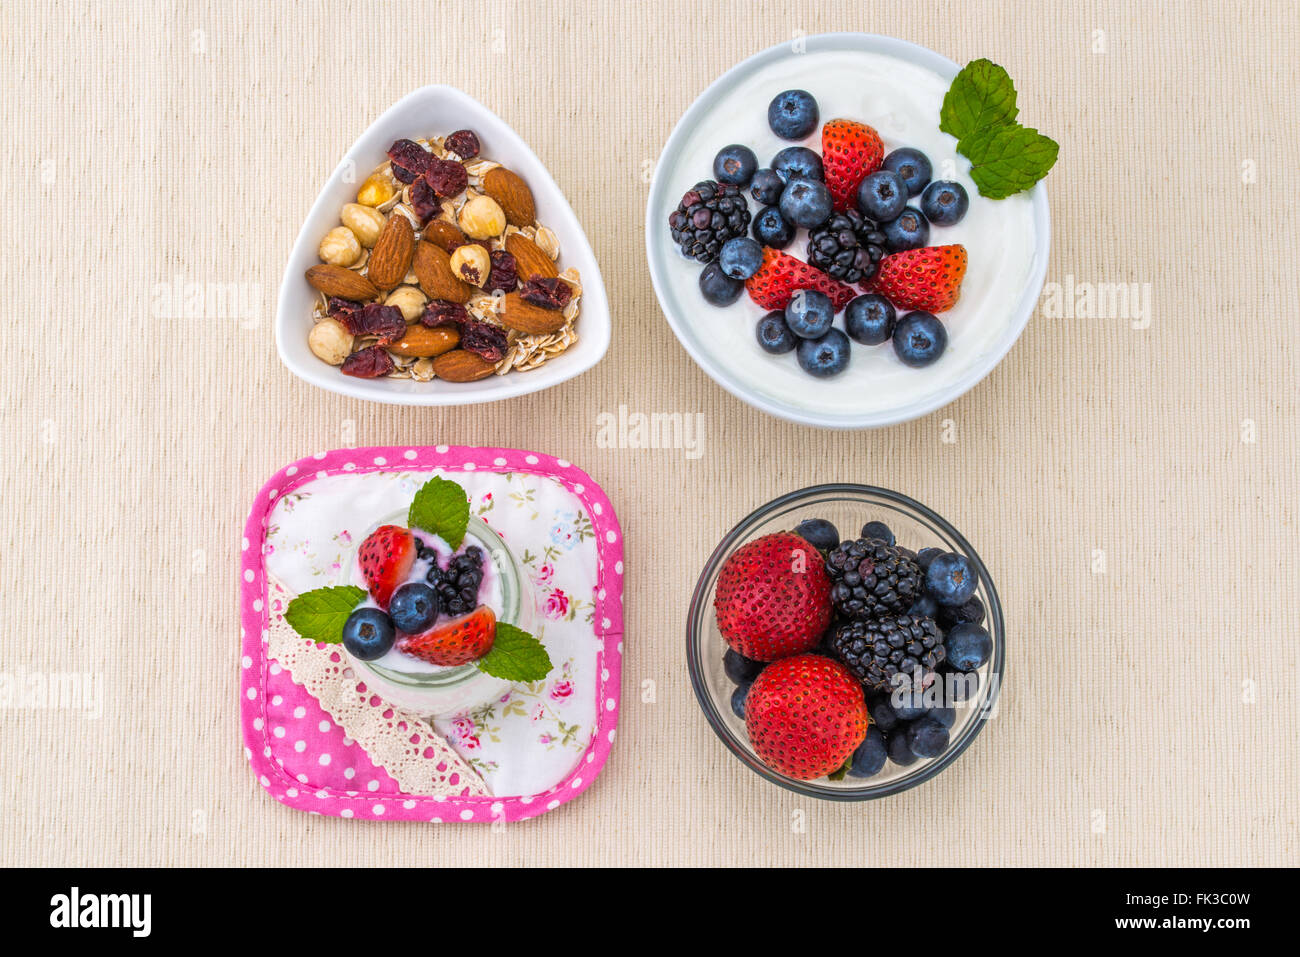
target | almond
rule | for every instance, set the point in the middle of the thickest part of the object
(391, 256)
(529, 258)
(460, 365)
(342, 282)
(513, 195)
(443, 234)
(422, 342)
(522, 316)
(432, 267)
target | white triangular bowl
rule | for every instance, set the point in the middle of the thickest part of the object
(428, 111)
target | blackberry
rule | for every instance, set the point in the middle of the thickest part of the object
(457, 584)
(876, 651)
(872, 579)
(708, 215)
(847, 247)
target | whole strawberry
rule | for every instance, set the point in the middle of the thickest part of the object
(805, 716)
(781, 276)
(928, 279)
(386, 557)
(773, 597)
(850, 151)
(455, 642)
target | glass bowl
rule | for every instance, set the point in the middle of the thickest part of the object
(849, 507)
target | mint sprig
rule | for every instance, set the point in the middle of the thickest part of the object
(980, 110)
(515, 656)
(319, 614)
(441, 508)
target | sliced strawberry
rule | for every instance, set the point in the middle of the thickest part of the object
(454, 642)
(781, 276)
(386, 557)
(850, 151)
(928, 278)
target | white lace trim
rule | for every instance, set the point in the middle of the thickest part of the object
(402, 743)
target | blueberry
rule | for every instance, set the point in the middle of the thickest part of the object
(739, 669)
(945, 202)
(909, 706)
(792, 115)
(735, 164)
(870, 756)
(809, 314)
(951, 579)
(919, 339)
(882, 196)
(740, 257)
(819, 532)
(926, 556)
(771, 229)
(908, 231)
(717, 287)
(944, 714)
(738, 698)
(795, 162)
(968, 646)
(870, 319)
(824, 357)
(924, 607)
(882, 712)
(773, 335)
(766, 186)
(927, 738)
(899, 752)
(806, 202)
(960, 686)
(413, 608)
(912, 166)
(878, 530)
(368, 634)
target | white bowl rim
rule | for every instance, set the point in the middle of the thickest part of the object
(596, 326)
(865, 42)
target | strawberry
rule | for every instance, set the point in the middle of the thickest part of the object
(850, 151)
(386, 557)
(928, 278)
(805, 716)
(773, 597)
(781, 276)
(454, 642)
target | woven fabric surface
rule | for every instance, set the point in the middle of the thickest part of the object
(1132, 482)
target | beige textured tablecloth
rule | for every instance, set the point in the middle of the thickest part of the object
(1134, 490)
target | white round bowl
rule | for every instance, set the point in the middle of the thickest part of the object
(427, 111)
(691, 318)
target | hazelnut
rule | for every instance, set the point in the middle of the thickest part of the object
(375, 191)
(365, 221)
(340, 247)
(409, 300)
(482, 218)
(471, 264)
(330, 341)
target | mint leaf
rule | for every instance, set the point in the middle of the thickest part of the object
(515, 656)
(441, 508)
(319, 614)
(1007, 160)
(982, 95)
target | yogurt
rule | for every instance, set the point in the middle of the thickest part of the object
(901, 101)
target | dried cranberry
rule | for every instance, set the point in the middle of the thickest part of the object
(547, 293)
(386, 322)
(504, 276)
(447, 178)
(342, 310)
(424, 199)
(464, 143)
(483, 339)
(369, 363)
(409, 159)
(440, 312)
